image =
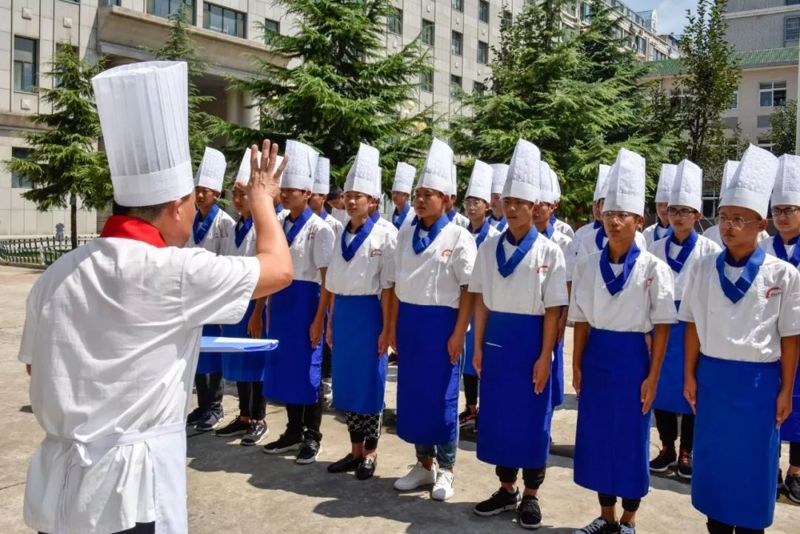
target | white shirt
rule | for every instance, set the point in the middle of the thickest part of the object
(247, 246)
(388, 226)
(312, 247)
(214, 241)
(702, 248)
(409, 217)
(564, 228)
(654, 233)
(112, 331)
(538, 282)
(751, 329)
(646, 299)
(368, 272)
(434, 277)
(713, 233)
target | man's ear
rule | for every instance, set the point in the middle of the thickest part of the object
(762, 225)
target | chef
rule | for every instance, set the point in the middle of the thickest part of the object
(660, 229)
(403, 212)
(499, 174)
(319, 194)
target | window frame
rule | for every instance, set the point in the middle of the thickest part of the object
(771, 90)
(456, 85)
(19, 182)
(396, 16)
(269, 31)
(482, 53)
(426, 80)
(428, 27)
(484, 11)
(786, 20)
(456, 43)
(19, 78)
(457, 5)
(151, 8)
(207, 12)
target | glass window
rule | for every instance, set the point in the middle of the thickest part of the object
(586, 11)
(17, 181)
(734, 103)
(478, 88)
(426, 80)
(506, 19)
(456, 85)
(772, 94)
(483, 53)
(224, 20)
(457, 43)
(483, 11)
(394, 21)
(165, 8)
(458, 5)
(111, 2)
(25, 64)
(428, 29)
(271, 27)
(791, 29)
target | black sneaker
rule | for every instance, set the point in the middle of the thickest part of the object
(237, 427)
(348, 463)
(467, 419)
(792, 485)
(308, 452)
(685, 465)
(283, 444)
(211, 421)
(257, 432)
(500, 501)
(195, 416)
(665, 459)
(599, 526)
(529, 515)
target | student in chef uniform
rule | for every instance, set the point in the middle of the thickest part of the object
(680, 249)
(660, 229)
(477, 204)
(113, 328)
(403, 213)
(296, 315)
(359, 279)
(786, 217)
(433, 263)
(557, 223)
(619, 294)
(713, 232)
(450, 203)
(336, 201)
(211, 228)
(520, 285)
(742, 309)
(375, 212)
(245, 369)
(597, 208)
(499, 174)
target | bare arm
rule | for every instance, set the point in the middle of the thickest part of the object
(789, 356)
(481, 315)
(455, 345)
(658, 349)
(580, 336)
(541, 369)
(386, 311)
(315, 331)
(691, 357)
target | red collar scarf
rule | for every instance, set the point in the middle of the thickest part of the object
(126, 227)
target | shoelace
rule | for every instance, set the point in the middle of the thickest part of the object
(595, 526)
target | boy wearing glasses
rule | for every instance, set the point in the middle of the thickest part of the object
(679, 250)
(742, 309)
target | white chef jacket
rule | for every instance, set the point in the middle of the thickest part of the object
(491, 233)
(434, 277)
(564, 228)
(460, 220)
(222, 226)
(769, 247)
(646, 299)
(703, 247)
(751, 329)
(654, 233)
(340, 215)
(311, 249)
(334, 223)
(246, 248)
(368, 272)
(713, 233)
(409, 217)
(388, 226)
(112, 331)
(564, 243)
(538, 282)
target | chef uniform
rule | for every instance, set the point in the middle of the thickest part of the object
(113, 329)
(377, 195)
(453, 214)
(403, 183)
(621, 302)
(657, 231)
(599, 194)
(322, 186)
(740, 312)
(499, 175)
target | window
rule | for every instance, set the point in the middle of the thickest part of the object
(765, 143)
(111, 2)
(428, 30)
(483, 53)
(772, 94)
(457, 5)
(586, 11)
(271, 27)
(165, 8)
(483, 11)
(17, 181)
(25, 64)
(478, 88)
(457, 43)
(394, 21)
(791, 29)
(224, 20)
(426, 80)
(640, 45)
(734, 103)
(506, 19)
(456, 85)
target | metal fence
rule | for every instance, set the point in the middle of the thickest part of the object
(35, 251)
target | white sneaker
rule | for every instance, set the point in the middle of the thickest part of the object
(418, 476)
(443, 489)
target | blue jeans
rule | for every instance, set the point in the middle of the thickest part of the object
(445, 453)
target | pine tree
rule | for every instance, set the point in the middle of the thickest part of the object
(784, 128)
(64, 164)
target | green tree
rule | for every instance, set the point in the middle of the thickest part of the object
(64, 164)
(784, 128)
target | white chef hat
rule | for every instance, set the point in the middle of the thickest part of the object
(243, 174)
(365, 173)
(548, 184)
(727, 173)
(665, 180)
(499, 175)
(211, 172)
(438, 169)
(453, 181)
(301, 167)
(751, 184)
(480, 181)
(687, 186)
(626, 183)
(601, 186)
(322, 177)
(143, 110)
(787, 182)
(523, 172)
(404, 178)
(556, 185)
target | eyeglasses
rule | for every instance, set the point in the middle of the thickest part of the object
(616, 215)
(474, 202)
(683, 212)
(734, 222)
(791, 210)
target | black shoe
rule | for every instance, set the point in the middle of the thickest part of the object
(366, 468)
(237, 427)
(665, 459)
(348, 463)
(792, 486)
(195, 416)
(308, 452)
(282, 445)
(211, 421)
(467, 419)
(599, 526)
(500, 501)
(529, 515)
(257, 432)
(685, 465)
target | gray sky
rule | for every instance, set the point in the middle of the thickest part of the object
(671, 13)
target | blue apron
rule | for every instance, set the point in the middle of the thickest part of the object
(243, 367)
(210, 362)
(735, 430)
(469, 350)
(514, 421)
(557, 374)
(427, 383)
(790, 430)
(359, 376)
(669, 396)
(613, 437)
(292, 373)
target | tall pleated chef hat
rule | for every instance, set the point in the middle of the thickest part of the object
(499, 175)
(787, 181)
(438, 169)
(751, 185)
(143, 110)
(665, 179)
(600, 187)
(523, 172)
(211, 172)
(687, 186)
(556, 185)
(322, 177)
(548, 184)
(365, 173)
(453, 181)
(626, 183)
(404, 178)
(480, 181)
(301, 167)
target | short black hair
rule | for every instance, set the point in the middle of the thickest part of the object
(334, 192)
(146, 213)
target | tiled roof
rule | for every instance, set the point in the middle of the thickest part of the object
(771, 57)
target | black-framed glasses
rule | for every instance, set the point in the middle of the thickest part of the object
(789, 210)
(682, 212)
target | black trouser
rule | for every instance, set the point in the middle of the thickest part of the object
(304, 421)
(667, 425)
(471, 389)
(532, 478)
(364, 428)
(629, 505)
(718, 527)
(252, 403)
(327, 359)
(209, 392)
(140, 528)
(794, 453)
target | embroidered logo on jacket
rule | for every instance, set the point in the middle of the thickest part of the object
(446, 252)
(375, 252)
(543, 268)
(775, 290)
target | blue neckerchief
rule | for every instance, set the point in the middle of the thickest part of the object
(414, 221)
(667, 232)
(506, 268)
(349, 251)
(397, 220)
(688, 246)
(501, 224)
(200, 229)
(297, 225)
(780, 249)
(599, 237)
(548, 232)
(421, 243)
(481, 234)
(279, 208)
(553, 218)
(735, 291)
(614, 284)
(242, 227)
(451, 214)
(375, 216)
(323, 214)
